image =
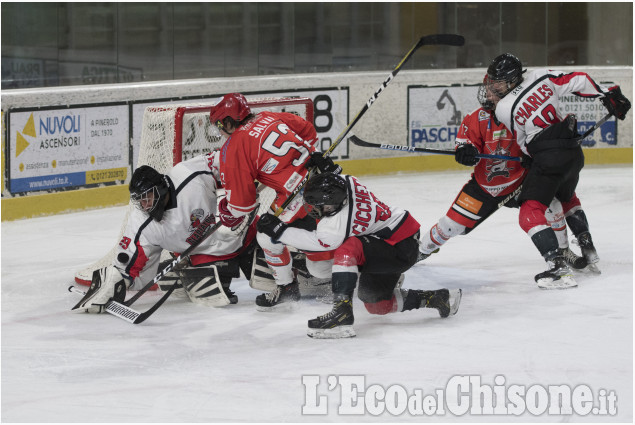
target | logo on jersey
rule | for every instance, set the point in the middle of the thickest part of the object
(269, 166)
(293, 181)
(483, 115)
(324, 244)
(195, 219)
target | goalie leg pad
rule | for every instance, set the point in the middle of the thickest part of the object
(261, 276)
(203, 286)
(107, 284)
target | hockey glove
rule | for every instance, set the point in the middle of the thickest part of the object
(616, 103)
(466, 154)
(325, 165)
(225, 217)
(107, 284)
(525, 161)
(271, 226)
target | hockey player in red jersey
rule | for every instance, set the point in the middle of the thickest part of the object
(371, 240)
(493, 184)
(173, 210)
(275, 149)
(528, 105)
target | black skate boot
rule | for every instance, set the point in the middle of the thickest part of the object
(588, 251)
(572, 259)
(558, 276)
(439, 299)
(338, 323)
(282, 294)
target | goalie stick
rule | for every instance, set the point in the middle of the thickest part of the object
(126, 313)
(434, 39)
(359, 142)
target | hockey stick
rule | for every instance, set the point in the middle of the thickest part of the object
(126, 313)
(359, 142)
(435, 39)
(595, 127)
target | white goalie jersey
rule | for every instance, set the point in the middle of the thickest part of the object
(362, 214)
(190, 211)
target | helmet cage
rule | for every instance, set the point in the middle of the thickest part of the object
(147, 201)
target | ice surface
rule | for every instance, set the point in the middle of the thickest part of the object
(190, 363)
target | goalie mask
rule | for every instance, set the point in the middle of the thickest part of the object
(149, 191)
(233, 106)
(326, 193)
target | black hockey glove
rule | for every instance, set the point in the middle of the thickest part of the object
(525, 161)
(271, 226)
(616, 103)
(466, 154)
(325, 165)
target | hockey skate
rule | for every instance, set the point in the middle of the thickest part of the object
(585, 243)
(574, 261)
(559, 275)
(338, 323)
(282, 294)
(440, 300)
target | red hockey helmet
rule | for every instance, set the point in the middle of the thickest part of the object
(232, 105)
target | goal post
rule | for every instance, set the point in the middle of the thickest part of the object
(176, 132)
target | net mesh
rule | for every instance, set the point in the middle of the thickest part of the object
(176, 132)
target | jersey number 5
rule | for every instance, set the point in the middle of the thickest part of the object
(270, 146)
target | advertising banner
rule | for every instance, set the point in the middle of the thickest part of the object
(63, 148)
(435, 113)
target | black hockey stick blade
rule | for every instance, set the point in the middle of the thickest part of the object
(401, 148)
(442, 39)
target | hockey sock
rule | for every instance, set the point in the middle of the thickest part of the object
(546, 242)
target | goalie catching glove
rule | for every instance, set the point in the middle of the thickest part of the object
(616, 103)
(325, 165)
(107, 284)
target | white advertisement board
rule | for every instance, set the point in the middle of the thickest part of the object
(435, 113)
(62, 148)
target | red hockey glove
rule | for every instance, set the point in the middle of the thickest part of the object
(225, 217)
(616, 103)
(466, 154)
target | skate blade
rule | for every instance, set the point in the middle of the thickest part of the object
(457, 295)
(591, 268)
(565, 282)
(334, 333)
(285, 306)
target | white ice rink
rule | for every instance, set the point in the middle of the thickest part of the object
(189, 363)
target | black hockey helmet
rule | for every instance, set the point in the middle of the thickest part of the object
(326, 193)
(503, 74)
(149, 191)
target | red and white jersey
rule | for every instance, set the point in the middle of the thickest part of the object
(496, 176)
(363, 214)
(191, 209)
(272, 148)
(533, 105)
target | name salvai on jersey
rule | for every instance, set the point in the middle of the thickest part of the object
(362, 214)
(272, 149)
(533, 105)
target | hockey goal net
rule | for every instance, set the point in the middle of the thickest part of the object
(176, 132)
